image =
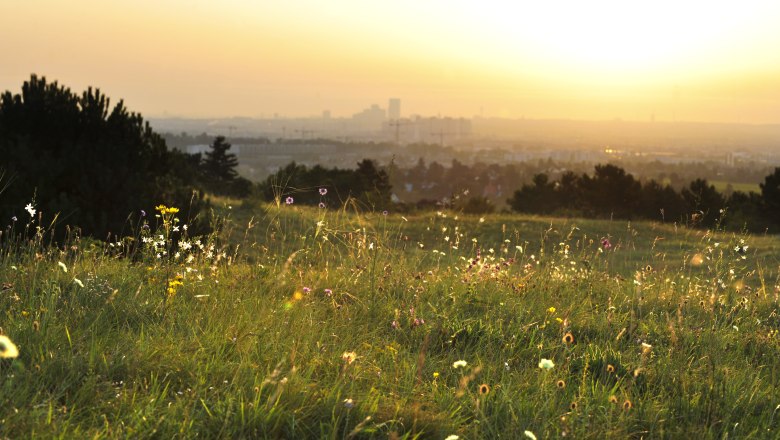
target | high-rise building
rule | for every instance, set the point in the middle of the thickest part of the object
(394, 109)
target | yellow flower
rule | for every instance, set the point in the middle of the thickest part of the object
(484, 389)
(435, 374)
(8, 349)
(551, 310)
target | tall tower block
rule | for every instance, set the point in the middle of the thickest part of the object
(394, 109)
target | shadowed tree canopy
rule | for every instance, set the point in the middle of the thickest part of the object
(92, 163)
(219, 170)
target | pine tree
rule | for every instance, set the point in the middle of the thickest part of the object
(219, 166)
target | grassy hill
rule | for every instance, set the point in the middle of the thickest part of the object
(294, 322)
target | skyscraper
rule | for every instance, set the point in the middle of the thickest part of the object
(394, 109)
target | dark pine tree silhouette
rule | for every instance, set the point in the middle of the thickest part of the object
(219, 166)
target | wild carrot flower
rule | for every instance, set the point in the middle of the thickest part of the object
(546, 364)
(8, 349)
(459, 364)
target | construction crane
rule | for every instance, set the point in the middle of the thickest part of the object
(397, 124)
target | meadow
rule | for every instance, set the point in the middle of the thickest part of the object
(298, 322)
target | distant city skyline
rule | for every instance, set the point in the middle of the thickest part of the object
(708, 61)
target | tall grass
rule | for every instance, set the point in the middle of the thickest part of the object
(298, 322)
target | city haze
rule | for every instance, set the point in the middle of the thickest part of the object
(602, 60)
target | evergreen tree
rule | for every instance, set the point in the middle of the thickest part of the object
(91, 163)
(219, 166)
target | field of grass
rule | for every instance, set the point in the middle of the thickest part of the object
(722, 186)
(294, 322)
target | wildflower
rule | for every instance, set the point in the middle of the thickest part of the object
(297, 296)
(646, 348)
(546, 364)
(568, 338)
(613, 399)
(348, 357)
(573, 406)
(459, 364)
(36, 325)
(8, 349)
(349, 403)
(78, 281)
(289, 200)
(13, 219)
(605, 244)
(560, 384)
(452, 437)
(484, 389)
(63, 266)
(323, 191)
(610, 368)
(394, 324)
(529, 434)
(328, 292)
(306, 290)
(30, 209)
(384, 212)
(143, 213)
(627, 405)
(322, 205)
(551, 310)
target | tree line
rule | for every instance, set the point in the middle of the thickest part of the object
(612, 193)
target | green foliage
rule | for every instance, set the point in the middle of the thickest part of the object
(368, 185)
(87, 162)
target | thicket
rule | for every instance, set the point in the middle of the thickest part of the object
(91, 163)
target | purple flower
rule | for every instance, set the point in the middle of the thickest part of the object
(323, 191)
(289, 200)
(322, 205)
(606, 244)
(328, 292)
(306, 290)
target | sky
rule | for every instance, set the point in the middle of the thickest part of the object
(664, 60)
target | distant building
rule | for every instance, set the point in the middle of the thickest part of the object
(394, 109)
(370, 119)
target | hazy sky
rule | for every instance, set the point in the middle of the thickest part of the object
(583, 59)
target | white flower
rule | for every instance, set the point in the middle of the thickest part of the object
(452, 437)
(459, 364)
(546, 364)
(30, 209)
(8, 349)
(63, 266)
(530, 434)
(78, 281)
